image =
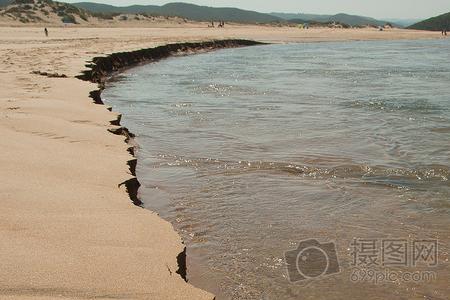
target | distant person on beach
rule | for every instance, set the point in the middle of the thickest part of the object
(46, 31)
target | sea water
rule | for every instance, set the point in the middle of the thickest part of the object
(250, 151)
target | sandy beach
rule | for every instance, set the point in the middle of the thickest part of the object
(67, 229)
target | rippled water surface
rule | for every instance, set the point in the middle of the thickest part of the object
(249, 151)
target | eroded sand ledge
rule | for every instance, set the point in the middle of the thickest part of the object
(66, 228)
(102, 68)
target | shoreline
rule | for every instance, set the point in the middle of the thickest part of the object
(71, 232)
(102, 68)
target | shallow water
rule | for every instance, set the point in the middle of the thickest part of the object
(249, 151)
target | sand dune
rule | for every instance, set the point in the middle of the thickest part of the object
(67, 229)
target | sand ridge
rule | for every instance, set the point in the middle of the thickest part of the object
(67, 229)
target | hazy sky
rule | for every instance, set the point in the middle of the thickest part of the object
(373, 8)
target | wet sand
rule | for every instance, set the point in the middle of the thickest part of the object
(68, 230)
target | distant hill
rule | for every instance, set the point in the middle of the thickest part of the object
(108, 9)
(352, 20)
(433, 24)
(185, 10)
(356, 20)
(404, 22)
(306, 17)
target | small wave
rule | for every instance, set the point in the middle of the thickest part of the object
(227, 90)
(394, 177)
(182, 105)
(441, 130)
(419, 106)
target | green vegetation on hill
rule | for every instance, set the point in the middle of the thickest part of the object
(434, 24)
(110, 9)
(29, 11)
(185, 10)
(356, 20)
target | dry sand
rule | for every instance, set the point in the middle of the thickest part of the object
(67, 230)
